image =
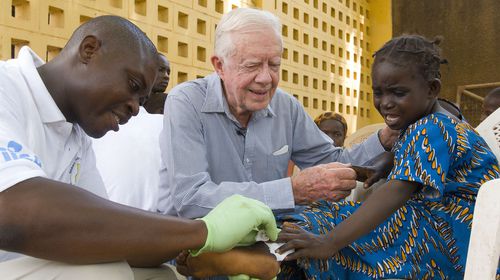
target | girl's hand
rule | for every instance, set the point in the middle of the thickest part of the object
(306, 244)
(181, 263)
(388, 137)
(375, 169)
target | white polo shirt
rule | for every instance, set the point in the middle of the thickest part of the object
(35, 138)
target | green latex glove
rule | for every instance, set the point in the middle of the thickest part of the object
(249, 239)
(234, 221)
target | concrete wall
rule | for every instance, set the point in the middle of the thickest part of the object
(328, 43)
(471, 31)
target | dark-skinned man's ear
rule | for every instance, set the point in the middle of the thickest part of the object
(88, 47)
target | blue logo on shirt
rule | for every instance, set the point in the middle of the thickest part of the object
(13, 152)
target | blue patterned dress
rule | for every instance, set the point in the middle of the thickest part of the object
(428, 237)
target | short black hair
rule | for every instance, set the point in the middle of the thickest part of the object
(416, 50)
(117, 30)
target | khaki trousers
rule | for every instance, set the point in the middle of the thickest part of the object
(28, 268)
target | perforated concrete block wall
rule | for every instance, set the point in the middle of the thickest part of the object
(327, 43)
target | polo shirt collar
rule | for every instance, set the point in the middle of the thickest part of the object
(47, 108)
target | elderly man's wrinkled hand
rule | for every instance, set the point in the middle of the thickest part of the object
(234, 221)
(332, 182)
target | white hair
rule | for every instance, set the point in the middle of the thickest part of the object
(243, 20)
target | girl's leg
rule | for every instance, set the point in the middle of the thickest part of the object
(255, 261)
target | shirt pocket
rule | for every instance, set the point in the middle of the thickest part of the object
(277, 166)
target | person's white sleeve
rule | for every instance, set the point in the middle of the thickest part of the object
(17, 161)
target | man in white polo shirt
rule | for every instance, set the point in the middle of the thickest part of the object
(55, 220)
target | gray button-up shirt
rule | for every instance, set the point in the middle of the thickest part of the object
(207, 156)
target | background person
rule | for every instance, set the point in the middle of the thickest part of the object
(333, 125)
(491, 103)
(156, 100)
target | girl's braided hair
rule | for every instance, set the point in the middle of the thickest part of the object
(416, 50)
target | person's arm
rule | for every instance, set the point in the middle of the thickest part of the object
(254, 262)
(52, 220)
(374, 169)
(186, 187)
(57, 221)
(187, 182)
(332, 181)
(378, 207)
(311, 146)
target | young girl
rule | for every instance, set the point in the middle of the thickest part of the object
(417, 225)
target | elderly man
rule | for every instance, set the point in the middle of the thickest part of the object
(234, 131)
(55, 220)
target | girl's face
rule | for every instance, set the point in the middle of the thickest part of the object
(401, 94)
(335, 130)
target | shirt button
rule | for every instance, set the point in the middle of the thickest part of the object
(247, 160)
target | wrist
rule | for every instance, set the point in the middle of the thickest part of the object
(293, 185)
(332, 244)
(202, 238)
(300, 186)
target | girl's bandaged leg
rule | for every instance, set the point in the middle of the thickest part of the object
(255, 261)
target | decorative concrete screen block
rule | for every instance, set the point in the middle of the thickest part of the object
(328, 43)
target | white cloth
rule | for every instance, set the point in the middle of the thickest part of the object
(273, 246)
(35, 138)
(129, 161)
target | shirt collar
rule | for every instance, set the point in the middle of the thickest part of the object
(215, 102)
(214, 95)
(47, 108)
